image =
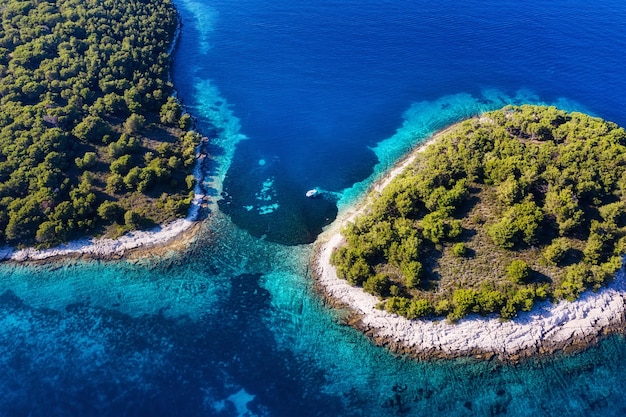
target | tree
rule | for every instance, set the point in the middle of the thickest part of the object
(134, 123)
(131, 180)
(574, 283)
(91, 129)
(190, 181)
(555, 253)
(419, 308)
(463, 302)
(459, 249)
(48, 232)
(509, 192)
(115, 183)
(434, 226)
(528, 217)
(377, 285)
(612, 213)
(490, 300)
(503, 233)
(397, 305)
(87, 161)
(121, 165)
(185, 121)
(170, 112)
(110, 211)
(412, 272)
(70, 74)
(563, 205)
(132, 219)
(519, 223)
(594, 249)
(174, 162)
(518, 272)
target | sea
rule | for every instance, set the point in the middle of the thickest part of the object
(297, 95)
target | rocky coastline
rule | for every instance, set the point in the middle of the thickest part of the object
(174, 235)
(171, 236)
(547, 329)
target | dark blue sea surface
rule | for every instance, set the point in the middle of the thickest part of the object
(316, 84)
(297, 95)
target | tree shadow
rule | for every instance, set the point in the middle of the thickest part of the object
(429, 258)
(572, 256)
(537, 277)
(469, 253)
(468, 205)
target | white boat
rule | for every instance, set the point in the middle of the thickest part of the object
(311, 193)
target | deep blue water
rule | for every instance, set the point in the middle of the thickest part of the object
(316, 84)
(296, 95)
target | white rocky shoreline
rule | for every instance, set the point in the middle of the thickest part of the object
(548, 328)
(102, 248)
(106, 248)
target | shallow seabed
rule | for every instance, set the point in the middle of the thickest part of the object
(215, 332)
(292, 99)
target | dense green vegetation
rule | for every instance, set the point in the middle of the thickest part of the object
(91, 140)
(522, 204)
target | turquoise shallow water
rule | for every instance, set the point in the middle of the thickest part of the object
(296, 95)
(185, 336)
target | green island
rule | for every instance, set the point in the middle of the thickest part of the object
(92, 142)
(518, 205)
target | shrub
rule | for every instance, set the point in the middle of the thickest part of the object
(412, 272)
(121, 165)
(134, 123)
(397, 305)
(555, 253)
(110, 211)
(518, 271)
(87, 161)
(443, 307)
(132, 219)
(459, 249)
(419, 308)
(377, 285)
(490, 301)
(503, 233)
(463, 302)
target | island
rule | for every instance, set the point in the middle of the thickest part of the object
(504, 234)
(93, 141)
